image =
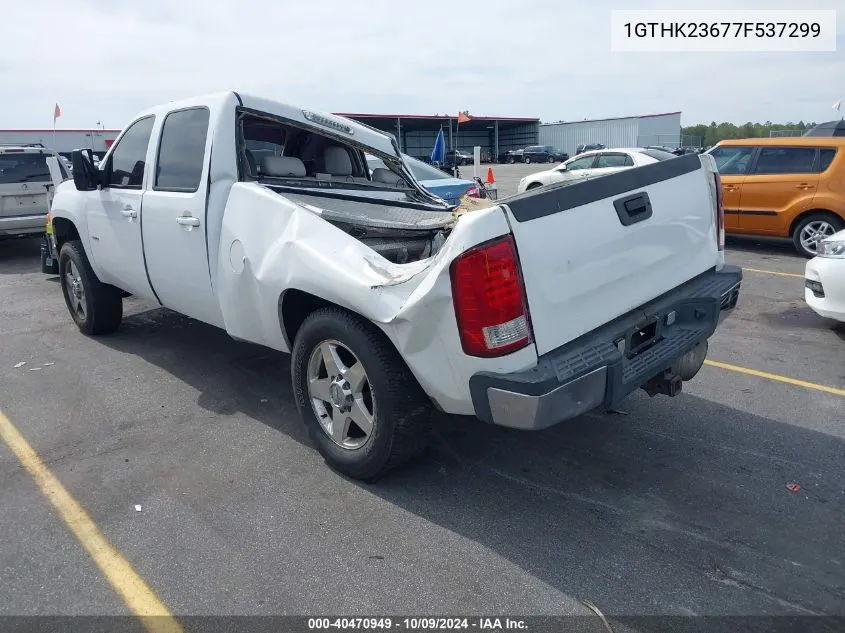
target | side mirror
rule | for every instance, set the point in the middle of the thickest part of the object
(86, 176)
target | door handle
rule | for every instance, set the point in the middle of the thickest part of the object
(730, 188)
(187, 220)
(129, 212)
(804, 185)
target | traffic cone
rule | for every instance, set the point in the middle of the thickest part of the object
(490, 178)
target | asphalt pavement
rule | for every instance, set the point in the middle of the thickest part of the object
(670, 506)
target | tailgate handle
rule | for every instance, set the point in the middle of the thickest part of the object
(633, 209)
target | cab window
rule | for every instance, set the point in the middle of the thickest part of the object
(732, 160)
(128, 158)
(614, 160)
(826, 158)
(182, 150)
(584, 162)
(785, 160)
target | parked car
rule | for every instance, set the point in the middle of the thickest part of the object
(458, 157)
(588, 148)
(435, 180)
(790, 187)
(511, 156)
(25, 184)
(824, 278)
(543, 154)
(392, 309)
(592, 164)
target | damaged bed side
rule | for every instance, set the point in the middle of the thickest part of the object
(388, 264)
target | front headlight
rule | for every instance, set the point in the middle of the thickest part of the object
(831, 248)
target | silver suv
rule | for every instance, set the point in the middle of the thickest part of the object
(25, 185)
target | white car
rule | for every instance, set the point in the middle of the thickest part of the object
(390, 305)
(824, 278)
(594, 163)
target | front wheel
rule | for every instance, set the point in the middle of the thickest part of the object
(533, 185)
(527, 160)
(812, 229)
(95, 307)
(551, 159)
(511, 160)
(363, 408)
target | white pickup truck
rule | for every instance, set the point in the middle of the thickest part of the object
(263, 219)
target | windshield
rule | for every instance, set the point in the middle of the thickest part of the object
(23, 167)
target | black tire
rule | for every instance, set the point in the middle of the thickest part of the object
(831, 219)
(551, 159)
(526, 160)
(103, 303)
(511, 160)
(402, 410)
(533, 185)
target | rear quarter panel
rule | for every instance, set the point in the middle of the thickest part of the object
(270, 245)
(830, 194)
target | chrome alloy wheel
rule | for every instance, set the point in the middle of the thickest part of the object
(75, 290)
(340, 394)
(815, 232)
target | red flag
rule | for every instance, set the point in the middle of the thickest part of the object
(57, 112)
(463, 118)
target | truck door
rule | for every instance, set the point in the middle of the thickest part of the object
(174, 217)
(114, 213)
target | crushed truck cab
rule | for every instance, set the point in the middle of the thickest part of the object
(265, 220)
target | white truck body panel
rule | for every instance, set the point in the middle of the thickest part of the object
(280, 246)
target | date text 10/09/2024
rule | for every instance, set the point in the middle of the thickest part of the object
(722, 29)
(492, 624)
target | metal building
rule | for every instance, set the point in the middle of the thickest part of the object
(416, 133)
(635, 131)
(98, 140)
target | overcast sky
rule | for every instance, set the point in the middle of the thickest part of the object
(104, 61)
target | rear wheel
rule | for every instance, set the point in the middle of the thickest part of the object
(551, 159)
(812, 229)
(511, 160)
(95, 307)
(363, 408)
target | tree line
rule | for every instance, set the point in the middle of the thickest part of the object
(715, 132)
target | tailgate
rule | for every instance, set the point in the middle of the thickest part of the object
(593, 250)
(25, 198)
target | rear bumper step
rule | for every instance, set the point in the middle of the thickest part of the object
(642, 348)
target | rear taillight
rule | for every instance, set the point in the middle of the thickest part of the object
(719, 212)
(473, 192)
(489, 298)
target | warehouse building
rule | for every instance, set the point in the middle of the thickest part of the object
(98, 140)
(416, 133)
(635, 131)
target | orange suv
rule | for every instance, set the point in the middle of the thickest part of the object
(783, 187)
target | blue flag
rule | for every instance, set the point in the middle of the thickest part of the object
(438, 154)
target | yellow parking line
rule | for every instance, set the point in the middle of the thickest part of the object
(126, 582)
(773, 272)
(776, 377)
